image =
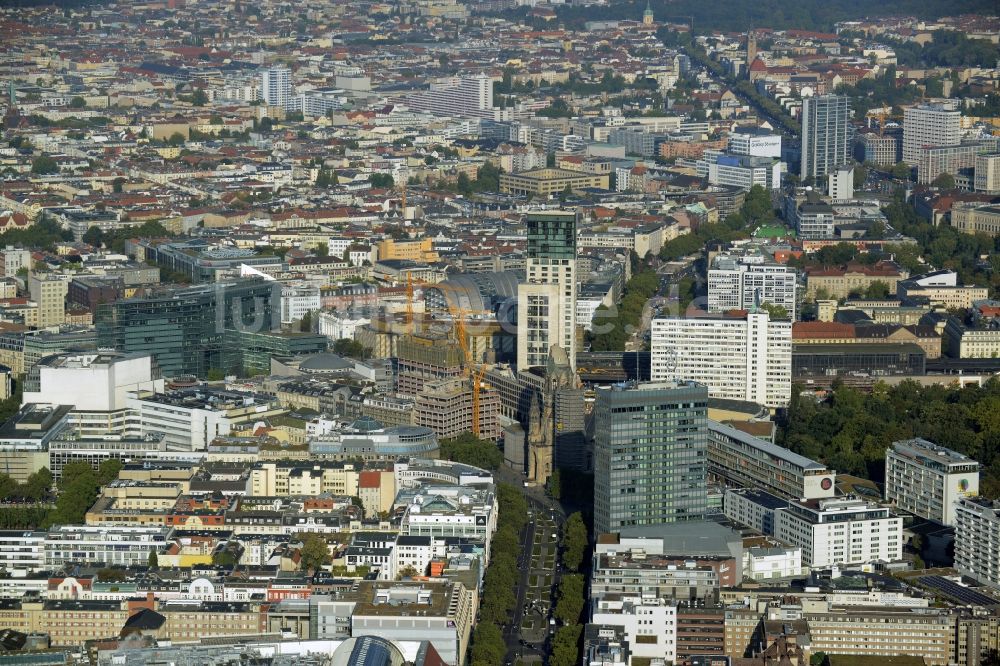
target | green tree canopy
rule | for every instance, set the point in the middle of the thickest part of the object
(471, 450)
(43, 165)
(351, 348)
(314, 553)
(574, 542)
(570, 599)
(945, 181)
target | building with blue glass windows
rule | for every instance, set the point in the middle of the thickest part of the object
(650, 443)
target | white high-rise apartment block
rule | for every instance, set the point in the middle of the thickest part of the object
(741, 282)
(927, 480)
(929, 125)
(840, 531)
(825, 134)
(547, 301)
(472, 96)
(650, 624)
(737, 357)
(276, 86)
(977, 540)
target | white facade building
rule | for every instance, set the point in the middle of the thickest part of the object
(340, 325)
(840, 531)
(14, 259)
(649, 622)
(737, 358)
(841, 185)
(747, 461)
(112, 546)
(757, 144)
(22, 551)
(297, 300)
(987, 173)
(763, 564)
(929, 125)
(276, 86)
(977, 540)
(743, 171)
(185, 427)
(94, 382)
(741, 282)
(585, 309)
(927, 480)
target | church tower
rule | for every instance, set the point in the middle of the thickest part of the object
(647, 16)
(751, 47)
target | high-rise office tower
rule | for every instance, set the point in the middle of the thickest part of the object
(649, 455)
(192, 330)
(825, 134)
(929, 125)
(547, 301)
(276, 86)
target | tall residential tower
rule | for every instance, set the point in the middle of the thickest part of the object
(276, 86)
(825, 134)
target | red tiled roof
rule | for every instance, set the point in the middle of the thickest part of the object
(828, 330)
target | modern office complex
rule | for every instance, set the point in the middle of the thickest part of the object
(927, 480)
(744, 460)
(744, 281)
(740, 357)
(977, 540)
(929, 125)
(649, 455)
(185, 330)
(825, 134)
(276, 86)
(547, 302)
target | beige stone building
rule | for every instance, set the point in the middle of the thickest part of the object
(840, 282)
(883, 632)
(973, 219)
(545, 182)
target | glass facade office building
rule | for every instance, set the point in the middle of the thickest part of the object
(650, 455)
(190, 331)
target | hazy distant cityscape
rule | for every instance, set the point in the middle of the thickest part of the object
(500, 333)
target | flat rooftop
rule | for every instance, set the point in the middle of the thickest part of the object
(765, 446)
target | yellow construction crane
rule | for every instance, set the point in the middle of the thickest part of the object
(475, 374)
